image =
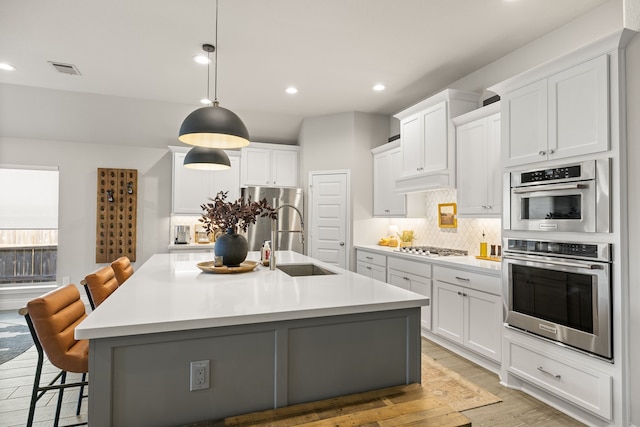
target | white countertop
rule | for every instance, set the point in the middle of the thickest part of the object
(470, 263)
(169, 293)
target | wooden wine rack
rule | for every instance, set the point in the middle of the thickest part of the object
(116, 214)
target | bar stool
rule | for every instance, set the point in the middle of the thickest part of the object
(122, 269)
(52, 319)
(99, 285)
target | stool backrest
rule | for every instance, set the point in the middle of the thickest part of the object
(101, 283)
(54, 317)
(122, 268)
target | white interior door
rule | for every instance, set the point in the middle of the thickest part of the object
(328, 240)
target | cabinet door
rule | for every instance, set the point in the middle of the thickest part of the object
(256, 167)
(524, 124)
(472, 162)
(372, 271)
(483, 323)
(386, 168)
(190, 187)
(412, 146)
(494, 165)
(422, 286)
(436, 144)
(448, 311)
(226, 180)
(400, 279)
(284, 168)
(578, 110)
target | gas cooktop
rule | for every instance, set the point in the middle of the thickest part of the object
(432, 251)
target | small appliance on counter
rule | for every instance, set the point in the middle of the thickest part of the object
(182, 234)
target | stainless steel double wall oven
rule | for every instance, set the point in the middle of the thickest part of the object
(554, 288)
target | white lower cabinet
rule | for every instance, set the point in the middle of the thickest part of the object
(467, 309)
(414, 276)
(580, 384)
(371, 264)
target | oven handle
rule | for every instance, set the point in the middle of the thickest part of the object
(561, 263)
(548, 187)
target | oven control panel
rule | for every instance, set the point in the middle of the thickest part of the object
(600, 251)
(553, 174)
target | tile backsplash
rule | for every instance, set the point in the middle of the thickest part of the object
(467, 236)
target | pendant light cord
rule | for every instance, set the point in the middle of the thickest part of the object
(215, 82)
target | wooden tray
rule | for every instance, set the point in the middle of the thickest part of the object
(209, 267)
(490, 258)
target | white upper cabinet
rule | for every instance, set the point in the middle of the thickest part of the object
(269, 165)
(387, 163)
(428, 140)
(479, 172)
(192, 188)
(563, 115)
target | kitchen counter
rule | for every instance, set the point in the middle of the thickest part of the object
(170, 293)
(269, 340)
(469, 263)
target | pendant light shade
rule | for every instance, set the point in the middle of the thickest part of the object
(203, 158)
(214, 127)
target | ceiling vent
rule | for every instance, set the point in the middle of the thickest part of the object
(65, 68)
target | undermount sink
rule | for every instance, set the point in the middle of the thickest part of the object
(297, 270)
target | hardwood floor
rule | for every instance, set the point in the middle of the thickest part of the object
(516, 408)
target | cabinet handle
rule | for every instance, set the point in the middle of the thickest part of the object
(369, 257)
(459, 293)
(489, 207)
(484, 207)
(544, 371)
(368, 268)
(551, 151)
(406, 278)
(464, 279)
(464, 295)
(542, 153)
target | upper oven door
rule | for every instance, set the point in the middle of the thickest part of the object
(555, 207)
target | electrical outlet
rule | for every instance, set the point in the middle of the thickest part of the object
(199, 378)
(65, 280)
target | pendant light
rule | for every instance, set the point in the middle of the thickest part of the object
(214, 126)
(204, 158)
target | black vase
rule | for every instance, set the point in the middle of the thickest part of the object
(232, 247)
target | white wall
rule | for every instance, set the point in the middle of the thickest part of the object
(343, 141)
(633, 160)
(78, 164)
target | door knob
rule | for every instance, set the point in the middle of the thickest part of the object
(341, 243)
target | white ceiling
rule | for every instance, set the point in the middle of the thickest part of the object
(334, 51)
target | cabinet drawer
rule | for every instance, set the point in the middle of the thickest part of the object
(580, 385)
(414, 267)
(479, 282)
(372, 258)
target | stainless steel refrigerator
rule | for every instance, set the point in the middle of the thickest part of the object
(290, 225)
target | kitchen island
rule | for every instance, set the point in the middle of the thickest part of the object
(271, 340)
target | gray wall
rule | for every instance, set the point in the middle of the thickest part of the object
(343, 141)
(633, 160)
(78, 164)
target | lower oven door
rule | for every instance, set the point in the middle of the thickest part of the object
(568, 301)
(554, 207)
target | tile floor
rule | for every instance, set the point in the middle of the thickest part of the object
(16, 382)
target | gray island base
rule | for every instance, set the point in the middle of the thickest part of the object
(270, 340)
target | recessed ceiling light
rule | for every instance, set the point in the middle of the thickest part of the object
(378, 87)
(6, 67)
(201, 59)
(291, 90)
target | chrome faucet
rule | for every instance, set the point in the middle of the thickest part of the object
(275, 242)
